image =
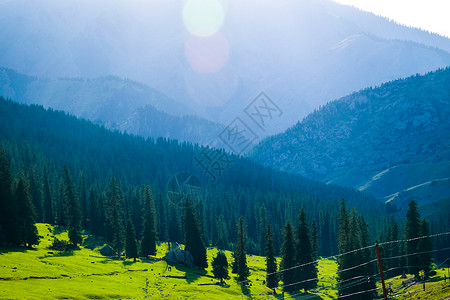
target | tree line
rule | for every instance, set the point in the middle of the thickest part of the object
(299, 250)
(40, 142)
(71, 173)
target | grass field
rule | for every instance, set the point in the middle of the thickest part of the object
(435, 287)
(82, 274)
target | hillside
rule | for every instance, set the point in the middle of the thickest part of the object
(117, 104)
(231, 186)
(390, 141)
(315, 51)
(85, 274)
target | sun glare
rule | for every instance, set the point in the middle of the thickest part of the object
(203, 17)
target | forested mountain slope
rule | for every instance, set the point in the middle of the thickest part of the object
(301, 53)
(391, 141)
(116, 103)
(34, 137)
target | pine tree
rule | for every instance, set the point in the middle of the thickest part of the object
(114, 202)
(222, 231)
(288, 256)
(424, 247)
(213, 228)
(161, 206)
(271, 262)
(148, 243)
(262, 225)
(60, 206)
(174, 224)
(192, 236)
(131, 243)
(240, 259)
(101, 212)
(348, 240)
(325, 235)
(136, 211)
(314, 241)
(8, 208)
(304, 256)
(394, 251)
(412, 230)
(115, 221)
(220, 266)
(48, 201)
(366, 255)
(34, 189)
(26, 213)
(73, 210)
(343, 236)
(83, 200)
(94, 221)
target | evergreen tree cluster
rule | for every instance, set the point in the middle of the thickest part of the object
(408, 253)
(18, 213)
(415, 254)
(240, 258)
(45, 140)
(299, 254)
(355, 274)
(120, 193)
(103, 216)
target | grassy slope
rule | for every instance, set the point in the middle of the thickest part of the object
(436, 288)
(79, 275)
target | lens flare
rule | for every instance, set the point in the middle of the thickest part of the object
(207, 54)
(203, 17)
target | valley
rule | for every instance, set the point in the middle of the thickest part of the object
(215, 149)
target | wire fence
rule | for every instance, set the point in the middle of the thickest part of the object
(347, 283)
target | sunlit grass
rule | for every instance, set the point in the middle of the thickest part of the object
(435, 287)
(82, 274)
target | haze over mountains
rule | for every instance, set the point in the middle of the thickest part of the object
(301, 53)
(391, 141)
(117, 104)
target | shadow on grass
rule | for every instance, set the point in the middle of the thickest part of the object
(129, 262)
(147, 260)
(106, 261)
(435, 279)
(192, 274)
(4, 250)
(58, 254)
(245, 288)
(65, 253)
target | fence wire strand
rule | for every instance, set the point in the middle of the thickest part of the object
(339, 271)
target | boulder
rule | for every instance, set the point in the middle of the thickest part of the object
(107, 250)
(179, 256)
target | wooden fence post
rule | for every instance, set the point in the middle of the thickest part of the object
(381, 272)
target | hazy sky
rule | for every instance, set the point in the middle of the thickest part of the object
(431, 15)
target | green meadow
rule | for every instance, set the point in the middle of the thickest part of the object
(41, 273)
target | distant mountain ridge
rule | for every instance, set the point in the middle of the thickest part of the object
(300, 53)
(390, 141)
(116, 103)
